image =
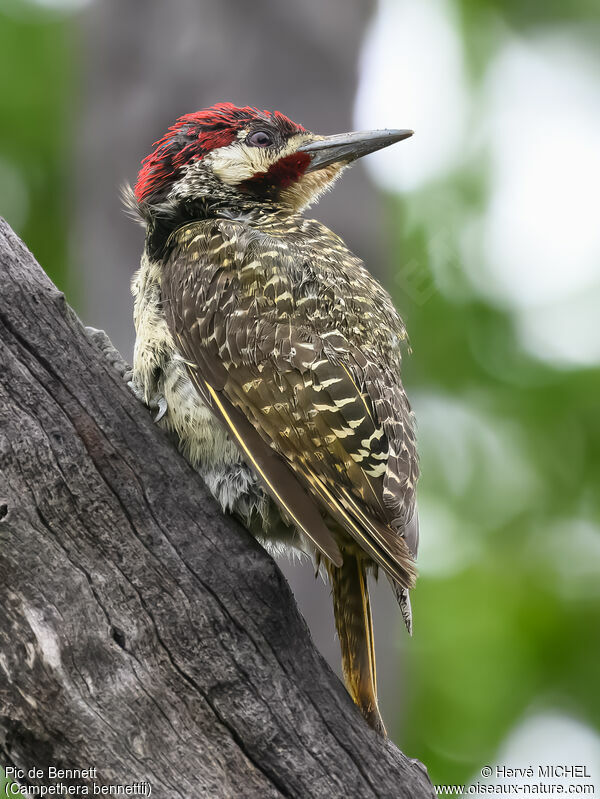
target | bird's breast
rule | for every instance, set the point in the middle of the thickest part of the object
(159, 370)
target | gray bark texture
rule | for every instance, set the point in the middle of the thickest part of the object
(142, 632)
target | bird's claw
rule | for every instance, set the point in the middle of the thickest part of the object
(162, 408)
(156, 402)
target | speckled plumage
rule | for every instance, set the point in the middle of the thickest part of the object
(279, 358)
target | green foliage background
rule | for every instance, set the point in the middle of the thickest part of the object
(6, 791)
(507, 633)
(510, 634)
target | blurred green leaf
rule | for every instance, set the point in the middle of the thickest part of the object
(37, 89)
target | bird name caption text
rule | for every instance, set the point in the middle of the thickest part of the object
(67, 782)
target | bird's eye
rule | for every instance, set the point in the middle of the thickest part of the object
(260, 139)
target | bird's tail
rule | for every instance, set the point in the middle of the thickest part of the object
(352, 611)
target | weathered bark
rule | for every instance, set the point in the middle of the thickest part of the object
(143, 633)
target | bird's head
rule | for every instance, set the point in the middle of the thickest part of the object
(224, 151)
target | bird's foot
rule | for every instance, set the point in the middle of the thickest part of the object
(156, 402)
(136, 389)
(110, 352)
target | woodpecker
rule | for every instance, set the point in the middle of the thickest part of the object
(274, 356)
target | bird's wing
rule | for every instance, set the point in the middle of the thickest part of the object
(296, 403)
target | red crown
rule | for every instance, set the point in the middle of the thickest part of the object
(192, 137)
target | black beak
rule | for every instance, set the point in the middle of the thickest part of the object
(347, 147)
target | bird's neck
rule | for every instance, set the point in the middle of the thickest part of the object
(162, 222)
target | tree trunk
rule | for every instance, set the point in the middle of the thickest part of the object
(143, 633)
